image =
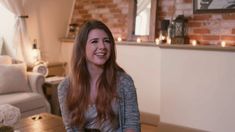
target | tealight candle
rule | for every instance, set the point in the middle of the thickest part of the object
(119, 39)
(223, 43)
(138, 40)
(157, 41)
(168, 40)
(163, 37)
(194, 42)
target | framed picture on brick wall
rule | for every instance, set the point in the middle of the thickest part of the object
(213, 6)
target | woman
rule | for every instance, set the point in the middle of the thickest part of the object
(97, 94)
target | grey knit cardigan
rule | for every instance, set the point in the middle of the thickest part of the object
(129, 116)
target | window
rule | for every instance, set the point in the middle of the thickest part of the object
(7, 23)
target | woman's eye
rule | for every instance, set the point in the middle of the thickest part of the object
(107, 41)
(94, 41)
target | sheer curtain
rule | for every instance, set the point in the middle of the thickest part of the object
(20, 47)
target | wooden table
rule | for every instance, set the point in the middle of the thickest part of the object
(44, 122)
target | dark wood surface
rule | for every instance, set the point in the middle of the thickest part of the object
(46, 122)
(43, 122)
(50, 91)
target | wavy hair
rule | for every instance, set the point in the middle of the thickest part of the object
(79, 90)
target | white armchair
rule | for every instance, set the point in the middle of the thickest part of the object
(22, 89)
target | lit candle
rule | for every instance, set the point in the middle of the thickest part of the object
(168, 40)
(223, 43)
(157, 41)
(163, 37)
(138, 40)
(194, 42)
(119, 39)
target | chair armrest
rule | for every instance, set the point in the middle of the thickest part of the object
(36, 82)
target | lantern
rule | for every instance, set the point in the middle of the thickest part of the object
(73, 29)
(180, 30)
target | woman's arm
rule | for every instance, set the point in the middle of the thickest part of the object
(62, 93)
(130, 130)
(131, 110)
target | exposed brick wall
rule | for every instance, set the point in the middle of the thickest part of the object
(114, 13)
(205, 28)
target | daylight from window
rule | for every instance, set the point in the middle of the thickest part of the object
(6, 24)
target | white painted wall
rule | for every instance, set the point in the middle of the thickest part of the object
(143, 64)
(198, 89)
(47, 22)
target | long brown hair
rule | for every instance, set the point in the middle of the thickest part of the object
(79, 90)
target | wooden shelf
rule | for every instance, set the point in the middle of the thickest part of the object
(55, 68)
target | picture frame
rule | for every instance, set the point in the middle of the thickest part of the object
(213, 6)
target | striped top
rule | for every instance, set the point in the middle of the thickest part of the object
(128, 112)
(91, 121)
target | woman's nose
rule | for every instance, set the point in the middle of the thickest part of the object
(101, 45)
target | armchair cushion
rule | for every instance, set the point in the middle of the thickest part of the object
(13, 78)
(4, 59)
(26, 101)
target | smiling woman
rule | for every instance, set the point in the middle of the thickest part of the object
(97, 48)
(97, 94)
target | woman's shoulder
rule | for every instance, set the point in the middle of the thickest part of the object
(124, 77)
(125, 83)
(63, 86)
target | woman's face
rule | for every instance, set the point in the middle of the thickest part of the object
(98, 48)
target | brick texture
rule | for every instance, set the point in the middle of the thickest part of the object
(114, 13)
(206, 28)
(233, 31)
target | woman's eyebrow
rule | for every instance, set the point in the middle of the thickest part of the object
(106, 38)
(92, 39)
(97, 39)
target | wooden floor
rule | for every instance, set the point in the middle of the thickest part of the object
(164, 127)
(148, 128)
(151, 123)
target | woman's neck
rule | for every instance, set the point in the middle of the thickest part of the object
(95, 73)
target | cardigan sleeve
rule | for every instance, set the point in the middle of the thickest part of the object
(62, 93)
(131, 115)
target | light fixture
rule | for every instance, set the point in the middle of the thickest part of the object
(35, 51)
(180, 30)
(39, 66)
(138, 40)
(73, 29)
